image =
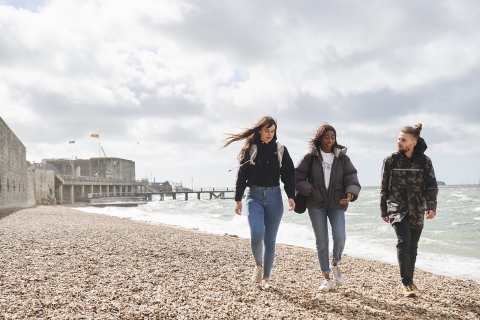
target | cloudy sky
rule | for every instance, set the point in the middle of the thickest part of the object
(162, 81)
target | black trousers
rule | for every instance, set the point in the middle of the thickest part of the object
(407, 245)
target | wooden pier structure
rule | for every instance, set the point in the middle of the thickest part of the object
(214, 193)
(110, 191)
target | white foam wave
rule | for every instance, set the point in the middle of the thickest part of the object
(365, 239)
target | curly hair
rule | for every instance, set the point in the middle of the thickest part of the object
(250, 135)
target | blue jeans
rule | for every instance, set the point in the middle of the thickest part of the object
(265, 210)
(318, 217)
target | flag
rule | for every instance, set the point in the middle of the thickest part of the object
(94, 135)
(71, 142)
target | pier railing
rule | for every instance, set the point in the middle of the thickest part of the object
(106, 180)
(206, 189)
(109, 195)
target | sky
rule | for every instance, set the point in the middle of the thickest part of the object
(162, 82)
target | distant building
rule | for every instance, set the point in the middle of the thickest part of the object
(161, 186)
(106, 167)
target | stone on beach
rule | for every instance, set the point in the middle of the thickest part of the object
(58, 263)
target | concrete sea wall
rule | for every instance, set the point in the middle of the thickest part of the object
(15, 189)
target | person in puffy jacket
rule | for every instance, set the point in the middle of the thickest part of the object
(263, 162)
(329, 180)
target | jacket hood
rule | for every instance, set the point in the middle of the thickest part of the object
(339, 151)
(420, 147)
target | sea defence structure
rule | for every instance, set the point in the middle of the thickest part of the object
(100, 181)
(95, 178)
(15, 175)
(107, 167)
(58, 181)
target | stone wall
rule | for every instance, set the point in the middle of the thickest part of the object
(45, 186)
(14, 176)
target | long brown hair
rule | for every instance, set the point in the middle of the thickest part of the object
(315, 142)
(414, 131)
(250, 135)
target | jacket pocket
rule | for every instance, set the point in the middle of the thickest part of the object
(393, 207)
(338, 193)
(315, 198)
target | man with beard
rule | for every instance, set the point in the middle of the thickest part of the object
(408, 194)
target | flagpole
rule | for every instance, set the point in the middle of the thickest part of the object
(98, 154)
(97, 136)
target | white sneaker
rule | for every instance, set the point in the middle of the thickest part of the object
(326, 285)
(338, 275)
(266, 283)
(257, 274)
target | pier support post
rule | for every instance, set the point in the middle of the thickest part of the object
(108, 191)
(211, 195)
(198, 195)
(186, 196)
(114, 191)
(60, 194)
(174, 196)
(100, 190)
(82, 191)
(72, 194)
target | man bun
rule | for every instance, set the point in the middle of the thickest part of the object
(418, 127)
(414, 131)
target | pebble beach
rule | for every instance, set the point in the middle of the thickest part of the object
(60, 263)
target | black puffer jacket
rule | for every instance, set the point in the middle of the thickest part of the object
(266, 172)
(343, 179)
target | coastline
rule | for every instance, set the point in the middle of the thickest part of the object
(61, 262)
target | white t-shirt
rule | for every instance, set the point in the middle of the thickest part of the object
(327, 166)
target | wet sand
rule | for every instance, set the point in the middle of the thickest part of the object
(60, 263)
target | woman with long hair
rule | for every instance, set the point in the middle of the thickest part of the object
(329, 180)
(263, 163)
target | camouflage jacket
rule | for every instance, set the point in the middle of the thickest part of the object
(410, 187)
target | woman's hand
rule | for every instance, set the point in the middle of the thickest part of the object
(291, 204)
(348, 199)
(238, 208)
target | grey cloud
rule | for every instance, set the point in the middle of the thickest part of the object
(59, 117)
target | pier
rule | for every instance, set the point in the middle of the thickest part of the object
(213, 193)
(111, 191)
(62, 188)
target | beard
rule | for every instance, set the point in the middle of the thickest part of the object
(404, 150)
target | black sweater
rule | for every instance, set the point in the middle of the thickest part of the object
(266, 172)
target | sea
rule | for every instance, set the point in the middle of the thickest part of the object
(449, 245)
